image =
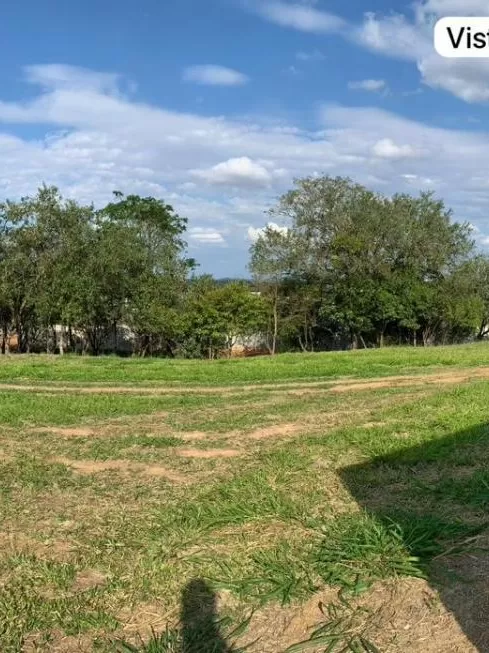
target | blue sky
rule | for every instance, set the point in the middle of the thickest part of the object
(217, 105)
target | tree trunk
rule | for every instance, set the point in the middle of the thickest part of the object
(4, 339)
(483, 331)
(275, 327)
(114, 337)
(71, 339)
(306, 340)
(426, 337)
(62, 340)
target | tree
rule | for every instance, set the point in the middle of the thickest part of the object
(475, 274)
(159, 287)
(372, 260)
(216, 316)
(271, 263)
(62, 263)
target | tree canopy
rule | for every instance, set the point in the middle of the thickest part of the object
(357, 267)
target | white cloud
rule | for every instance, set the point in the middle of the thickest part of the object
(100, 141)
(398, 37)
(314, 55)
(302, 17)
(60, 76)
(206, 236)
(371, 85)
(292, 70)
(386, 148)
(418, 182)
(416, 91)
(240, 171)
(255, 233)
(461, 77)
(210, 75)
(454, 7)
(394, 36)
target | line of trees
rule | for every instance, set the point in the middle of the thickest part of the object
(354, 268)
(92, 271)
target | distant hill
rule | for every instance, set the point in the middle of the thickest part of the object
(225, 280)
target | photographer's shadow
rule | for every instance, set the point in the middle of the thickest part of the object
(200, 626)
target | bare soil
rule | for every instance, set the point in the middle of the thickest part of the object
(403, 616)
(88, 579)
(209, 453)
(125, 466)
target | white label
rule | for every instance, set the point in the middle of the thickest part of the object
(462, 37)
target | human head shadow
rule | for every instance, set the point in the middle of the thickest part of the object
(437, 495)
(200, 624)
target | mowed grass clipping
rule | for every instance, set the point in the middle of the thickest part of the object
(117, 507)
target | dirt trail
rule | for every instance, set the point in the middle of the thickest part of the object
(451, 376)
(447, 378)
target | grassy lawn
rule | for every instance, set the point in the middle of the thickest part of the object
(286, 367)
(163, 506)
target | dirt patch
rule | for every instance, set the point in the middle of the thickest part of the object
(152, 421)
(209, 453)
(49, 549)
(193, 436)
(88, 579)
(59, 642)
(124, 466)
(275, 431)
(5, 457)
(144, 617)
(398, 616)
(64, 432)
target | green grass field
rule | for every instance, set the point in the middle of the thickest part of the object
(334, 499)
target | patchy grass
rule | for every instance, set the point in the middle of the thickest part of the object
(109, 525)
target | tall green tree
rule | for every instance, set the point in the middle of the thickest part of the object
(271, 264)
(374, 261)
(156, 232)
(216, 316)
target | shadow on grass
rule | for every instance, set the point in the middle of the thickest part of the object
(433, 499)
(200, 629)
